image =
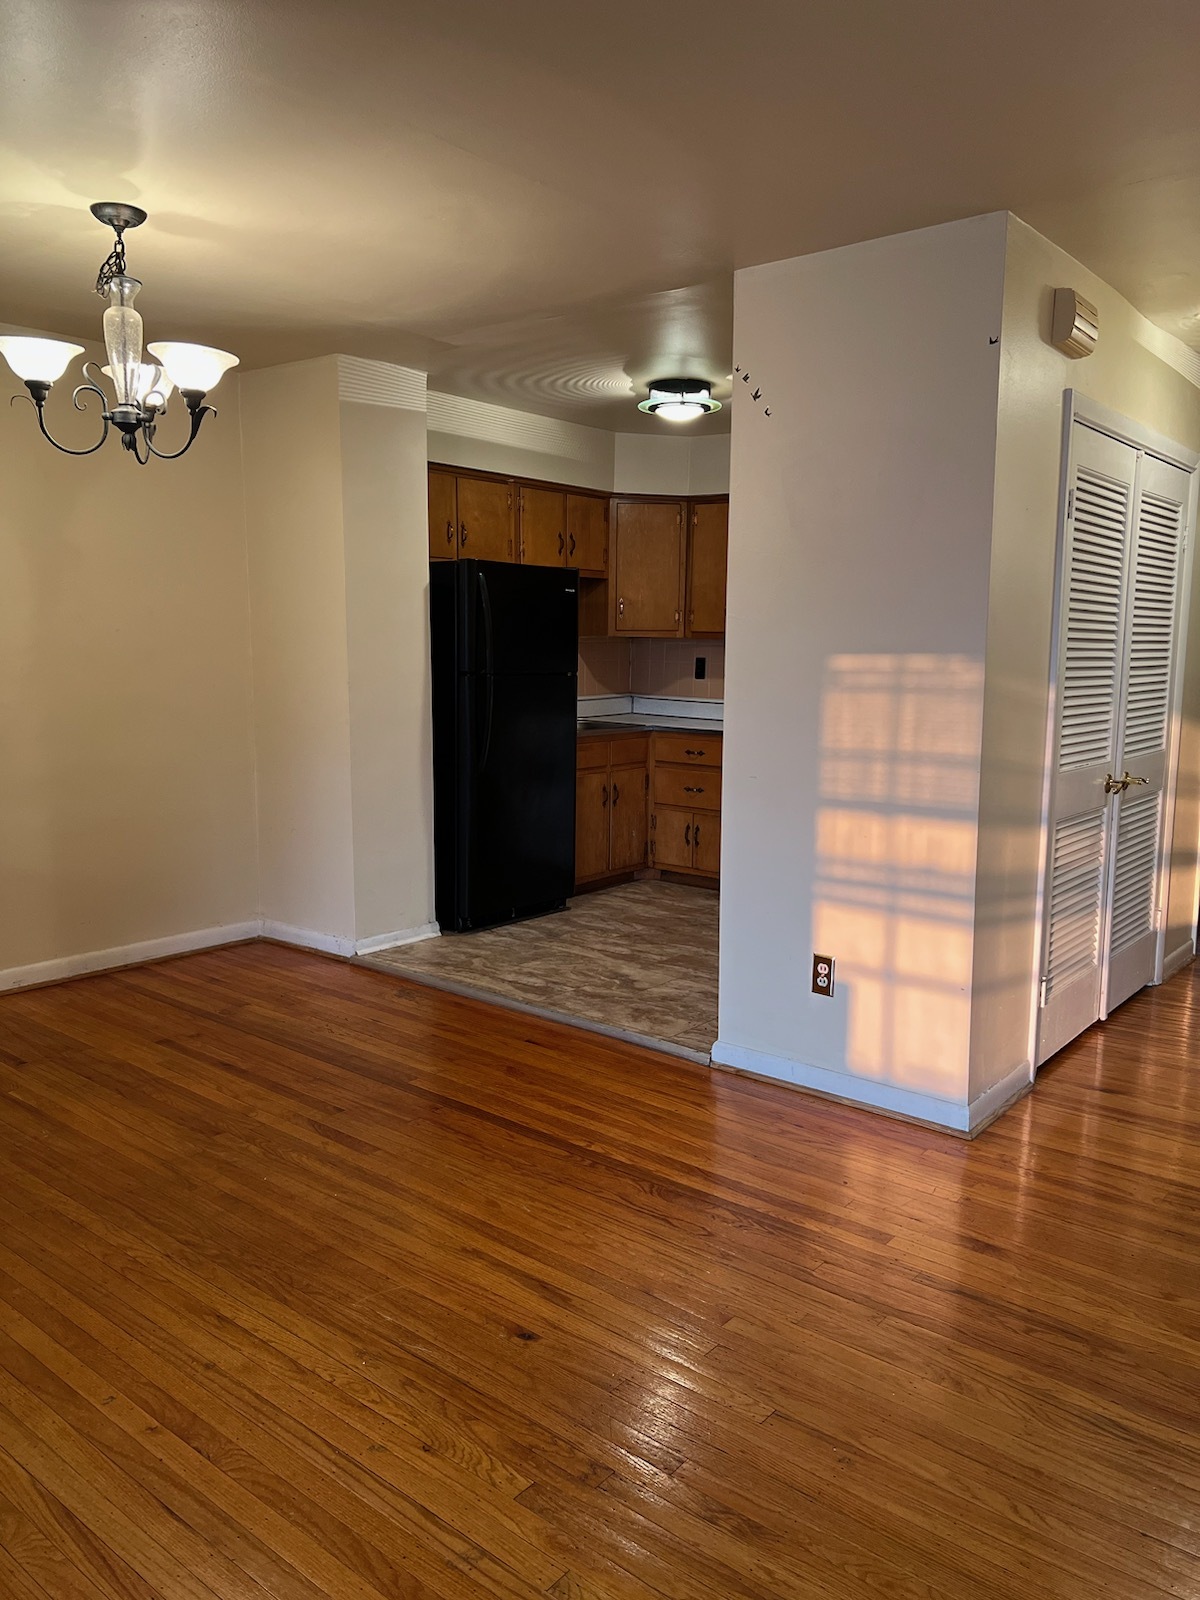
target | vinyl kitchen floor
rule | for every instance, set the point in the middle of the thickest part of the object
(638, 961)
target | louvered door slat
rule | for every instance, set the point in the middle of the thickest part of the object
(1135, 875)
(1092, 646)
(1155, 575)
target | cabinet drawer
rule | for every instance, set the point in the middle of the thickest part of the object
(685, 786)
(591, 751)
(688, 749)
(631, 751)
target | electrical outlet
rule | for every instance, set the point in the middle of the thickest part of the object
(822, 981)
(701, 668)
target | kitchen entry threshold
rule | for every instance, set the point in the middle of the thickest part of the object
(636, 962)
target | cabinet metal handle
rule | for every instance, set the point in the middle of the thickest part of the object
(677, 619)
(620, 608)
(687, 834)
(449, 533)
(696, 836)
(605, 800)
(693, 752)
(616, 794)
(571, 545)
(462, 533)
(562, 544)
(690, 788)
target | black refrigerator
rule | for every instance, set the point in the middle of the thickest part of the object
(505, 650)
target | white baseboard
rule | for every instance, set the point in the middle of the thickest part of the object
(1178, 959)
(128, 955)
(954, 1115)
(390, 941)
(330, 944)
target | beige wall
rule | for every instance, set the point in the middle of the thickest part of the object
(384, 511)
(860, 520)
(471, 433)
(338, 558)
(291, 426)
(126, 755)
(671, 462)
(1127, 373)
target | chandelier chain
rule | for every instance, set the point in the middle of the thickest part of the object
(114, 266)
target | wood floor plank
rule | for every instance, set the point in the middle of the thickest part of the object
(315, 1283)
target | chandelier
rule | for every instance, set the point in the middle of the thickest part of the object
(141, 388)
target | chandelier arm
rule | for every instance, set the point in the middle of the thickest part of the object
(38, 404)
(197, 412)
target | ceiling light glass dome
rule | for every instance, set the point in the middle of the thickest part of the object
(679, 399)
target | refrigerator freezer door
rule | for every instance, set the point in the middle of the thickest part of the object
(516, 813)
(516, 619)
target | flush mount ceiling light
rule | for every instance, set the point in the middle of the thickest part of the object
(679, 399)
(142, 388)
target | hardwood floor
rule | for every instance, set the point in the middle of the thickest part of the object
(317, 1283)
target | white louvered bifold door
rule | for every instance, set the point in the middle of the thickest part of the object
(1091, 650)
(1144, 728)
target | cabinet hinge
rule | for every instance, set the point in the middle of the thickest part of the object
(647, 784)
(1070, 504)
(1043, 993)
(652, 844)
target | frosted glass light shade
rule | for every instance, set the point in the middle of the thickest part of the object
(123, 339)
(679, 410)
(192, 366)
(150, 380)
(38, 360)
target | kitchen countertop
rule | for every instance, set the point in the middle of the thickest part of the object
(630, 722)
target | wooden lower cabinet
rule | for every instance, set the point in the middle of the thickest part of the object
(611, 784)
(637, 804)
(628, 818)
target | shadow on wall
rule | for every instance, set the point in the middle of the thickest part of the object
(895, 861)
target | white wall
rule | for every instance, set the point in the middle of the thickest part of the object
(1135, 370)
(858, 600)
(471, 433)
(126, 753)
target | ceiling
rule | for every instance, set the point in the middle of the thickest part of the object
(542, 203)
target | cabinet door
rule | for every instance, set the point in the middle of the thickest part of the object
(671, 838)
(587, 534)
(706, 844)
(708, 557)
(591, 824)
(628, 825)
(541, 519)
(443, 515)
(649, 567)
(485, 519)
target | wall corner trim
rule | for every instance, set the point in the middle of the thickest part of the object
(128, 955)
(330, 944)
(993, 1102)
(1177, 959)
(390, 941)
(953, 1115)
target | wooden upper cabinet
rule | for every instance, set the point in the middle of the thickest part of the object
(587, 534)
(542, 526)
(485, 519)
(648, 564)
(708, 557)
(443, 515)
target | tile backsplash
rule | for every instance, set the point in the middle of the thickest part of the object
(604, 667)
(668, 667)
(652, 666)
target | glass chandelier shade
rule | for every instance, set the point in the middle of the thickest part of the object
(38, 360)
(123, 338)
(151, 380)
(192, 366)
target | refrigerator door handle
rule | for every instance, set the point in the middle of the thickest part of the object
(485, 601)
